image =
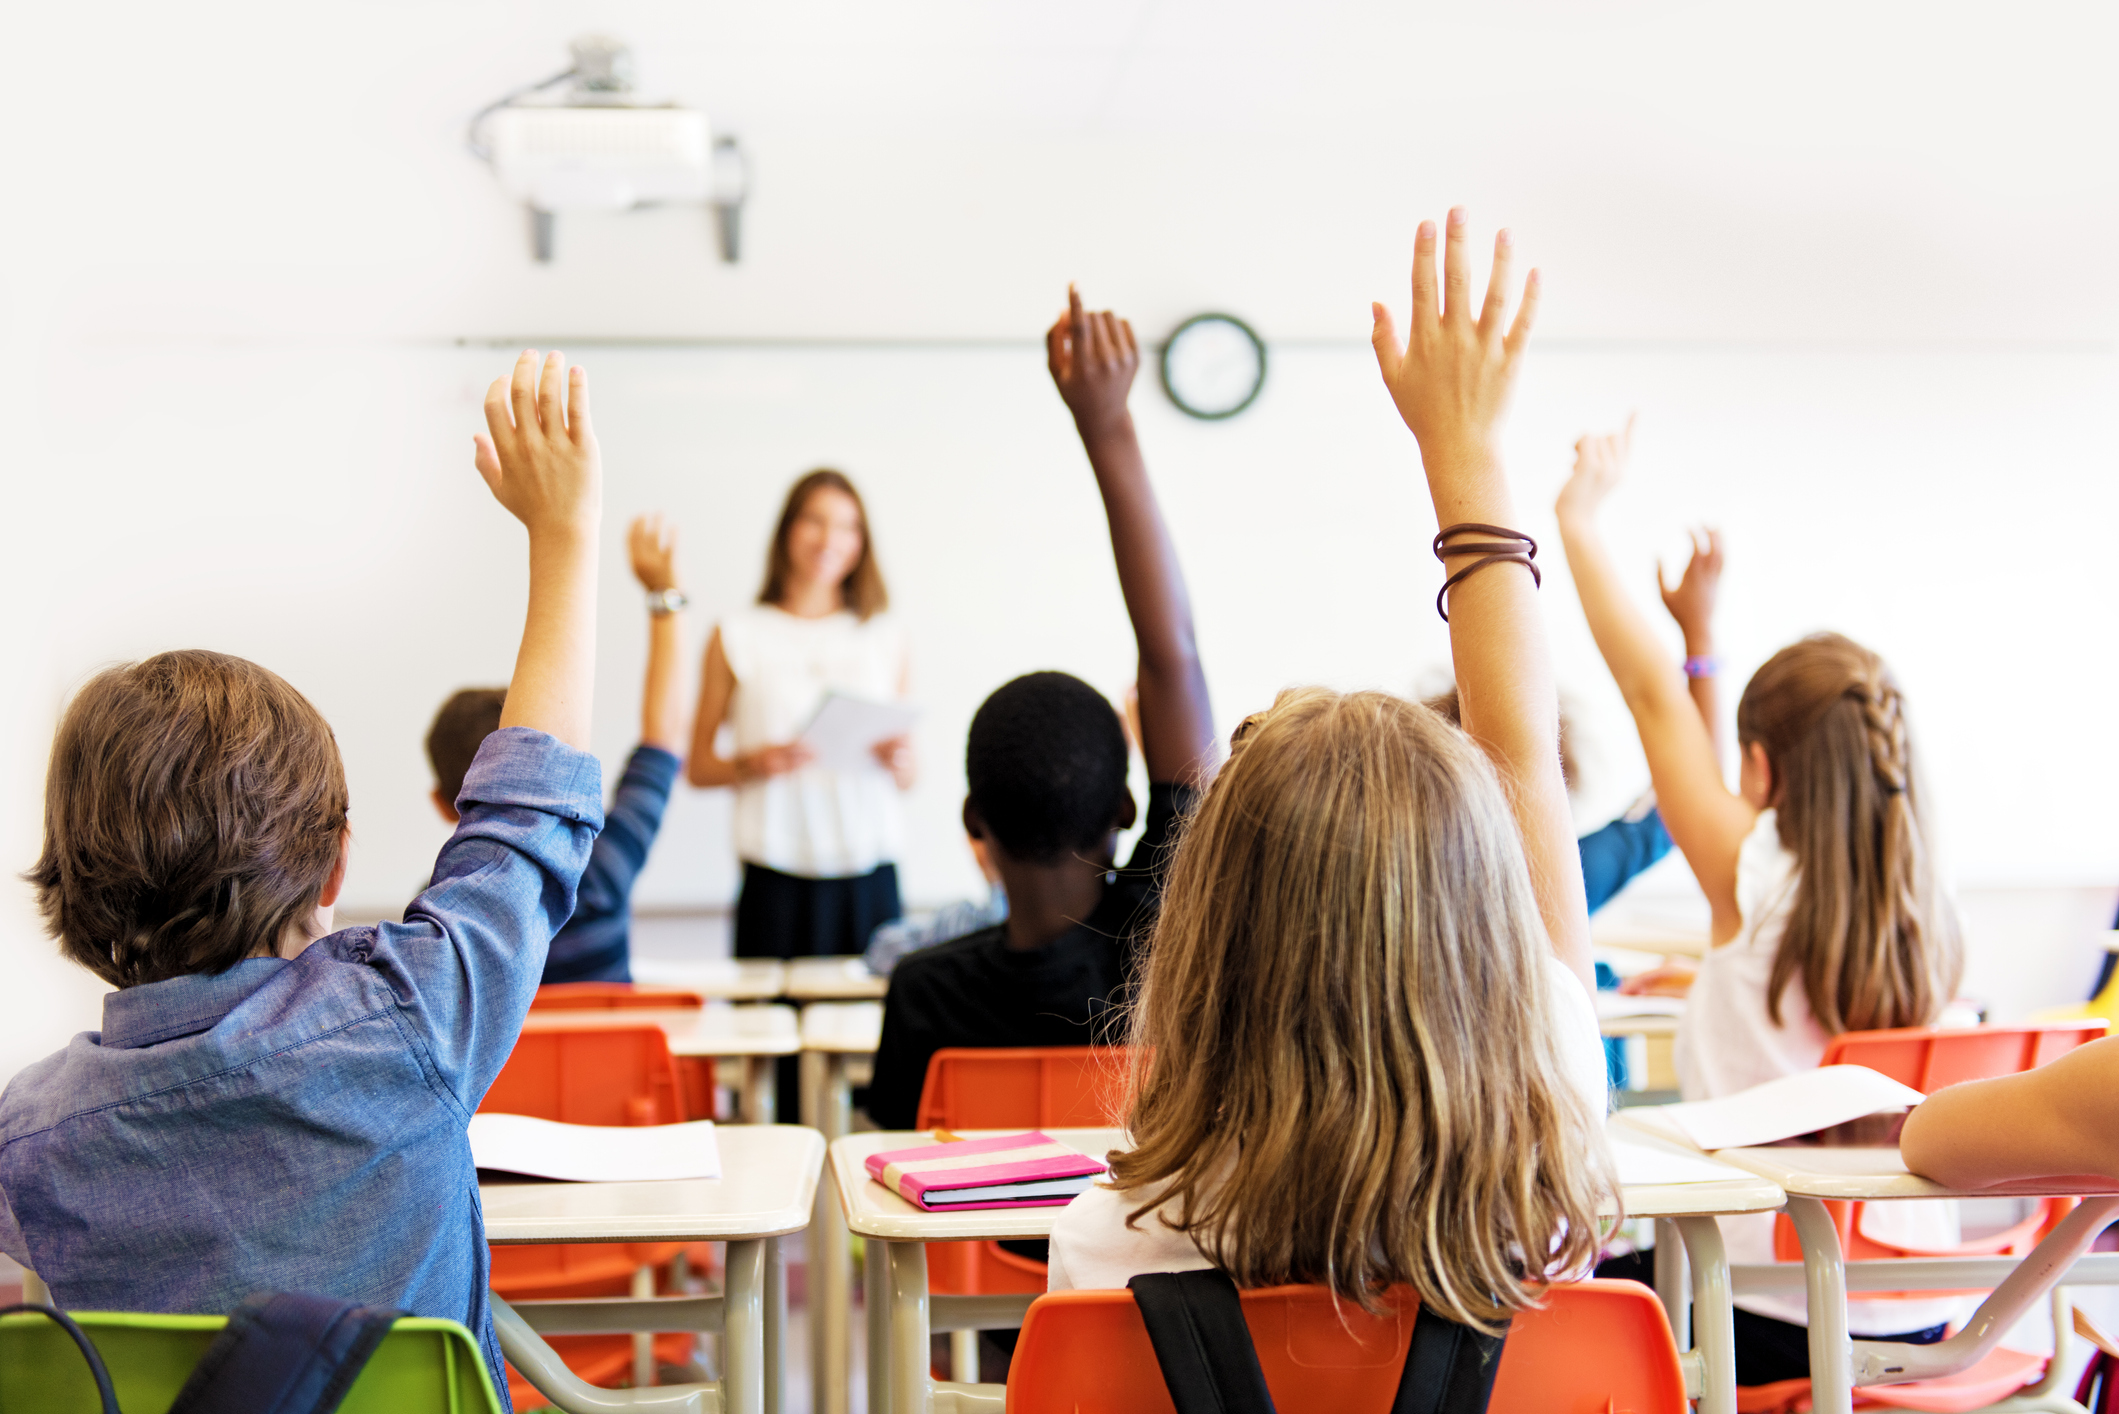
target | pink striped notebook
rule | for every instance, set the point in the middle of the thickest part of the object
(1008, 1171)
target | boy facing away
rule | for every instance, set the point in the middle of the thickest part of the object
(272, 1105)
(1046, 765)
(595, 944)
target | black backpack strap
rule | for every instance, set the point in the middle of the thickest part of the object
(1449, 1369)
(284, 1353)
(1195, 1320)
(89, 1352)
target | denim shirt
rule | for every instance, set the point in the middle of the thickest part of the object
(298, 1124)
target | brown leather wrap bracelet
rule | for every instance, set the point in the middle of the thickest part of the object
(1511, 551)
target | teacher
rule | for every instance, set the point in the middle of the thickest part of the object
(819, 846)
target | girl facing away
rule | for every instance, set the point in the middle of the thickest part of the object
(1819, 869)
(1364, 1049)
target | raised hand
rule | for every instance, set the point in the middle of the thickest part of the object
(1691, 600)
(1093, 357)
(652, 544)
(1452, 374)
(540, 459)
(1600, 463)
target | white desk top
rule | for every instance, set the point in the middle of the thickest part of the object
(730, 979)
(847, 1028)
(874, 1211)
(816, 979)
(1881, 1173)
(717, 1030)
(768, 1185)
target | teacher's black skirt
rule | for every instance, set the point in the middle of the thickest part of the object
(785, 915)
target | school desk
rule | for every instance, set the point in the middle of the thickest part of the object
(1813, 1176)
(766, 1191)
(901, 1313)
(832, 1034)
(832, 979)
(727, 979)
(754, 1034)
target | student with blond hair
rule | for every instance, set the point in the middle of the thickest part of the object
(1828, 912)
(1364, 1048)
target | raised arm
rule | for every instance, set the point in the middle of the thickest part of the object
(1691, 603)
(1451, 379)
(541, 462)
(653, 548)
(1706, 820)
(1093, 358)
(2059, 1119)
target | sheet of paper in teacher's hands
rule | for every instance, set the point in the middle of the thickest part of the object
(1802, 1103)
(844, 733)
(594, 1153)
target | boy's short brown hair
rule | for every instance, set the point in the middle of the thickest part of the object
(462, 724)
(193, 809)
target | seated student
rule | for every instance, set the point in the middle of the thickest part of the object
(1046, 765)
(271, 1105)
(1820, 873)
(595, 946)
(1365, 1052)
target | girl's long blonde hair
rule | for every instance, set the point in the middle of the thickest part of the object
(1871, 933)
(1346, 1068)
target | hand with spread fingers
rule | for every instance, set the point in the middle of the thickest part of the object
(539, 454)
(1453, 371)
(1093, 357)
(1691, 600)
(651, 542)
(1600, 464)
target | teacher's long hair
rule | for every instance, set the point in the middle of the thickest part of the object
(863, 586)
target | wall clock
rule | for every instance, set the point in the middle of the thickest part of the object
(1213, 366)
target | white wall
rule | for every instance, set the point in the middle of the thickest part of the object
(1844, 264)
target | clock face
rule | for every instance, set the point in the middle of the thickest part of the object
(1213, 366)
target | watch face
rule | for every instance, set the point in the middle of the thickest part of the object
(1213, 366)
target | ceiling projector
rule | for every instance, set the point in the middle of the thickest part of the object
(595, 149)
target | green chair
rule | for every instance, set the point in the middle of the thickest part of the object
(424, 1366)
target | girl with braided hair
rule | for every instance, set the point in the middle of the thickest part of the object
(1828, 912)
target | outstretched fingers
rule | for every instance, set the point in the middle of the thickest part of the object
(522, 392)
(551, 380)
(1423, 276)
(1526, 315)
(1456, 269)
(483, 456)
(1495, 314)
(1390, 352)
(578, 429)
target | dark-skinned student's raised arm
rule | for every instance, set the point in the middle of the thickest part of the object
(1093, 357)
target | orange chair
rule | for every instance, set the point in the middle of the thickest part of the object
(1031, 1087)
(611, 996)
(1928, 1058)
(1595, 1347)
(605, 1075)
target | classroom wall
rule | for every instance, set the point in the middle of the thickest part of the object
(256, 289)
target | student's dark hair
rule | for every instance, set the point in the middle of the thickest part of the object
(1870, 933)
(192, 811)
(863, 585)
(1446, 706)
(460, 727)
(1046, 766)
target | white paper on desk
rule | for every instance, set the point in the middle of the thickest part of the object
(1616, 1006)
(1642, 1164)
(845, 730)
(594, 1153)
(1801, 1103)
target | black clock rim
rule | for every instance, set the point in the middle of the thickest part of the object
(1162, 367)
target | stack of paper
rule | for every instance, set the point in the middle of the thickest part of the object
(1640, 1165)
(594, 1153)
(1802, 1103)
(1011, 1171)
(843, 734)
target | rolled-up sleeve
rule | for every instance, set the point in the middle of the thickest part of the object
(466, 961)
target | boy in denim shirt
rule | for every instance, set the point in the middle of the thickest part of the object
(272, 1105)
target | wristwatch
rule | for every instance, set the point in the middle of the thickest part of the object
(666, 601)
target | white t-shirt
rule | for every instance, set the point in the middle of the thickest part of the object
(1092, 1247)
(817, 823)
(1726, 1043)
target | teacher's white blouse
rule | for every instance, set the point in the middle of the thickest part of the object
(815, 822)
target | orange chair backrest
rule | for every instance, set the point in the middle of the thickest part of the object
(1928, 1058)
(1030, 1087)
(597, 1075)
(612, 996)
(1601, 1346)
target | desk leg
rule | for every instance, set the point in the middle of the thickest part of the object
(775, 1327)
(1670, 1282)
(743, 1329)
(912, 1387)
(877, 1284)
(1713, 1316)
(1825, 1280)
(830, 1254)
(758, 1097)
